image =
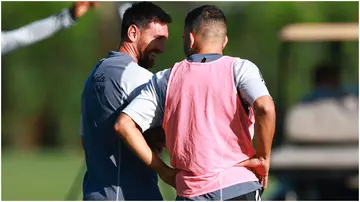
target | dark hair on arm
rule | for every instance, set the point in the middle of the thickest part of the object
(142, 14)
(204, 14)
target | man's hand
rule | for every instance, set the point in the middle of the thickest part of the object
(265, 117)
(127, 129)
(260, 167)
(79, 8)
(168, 175)
(155, 137)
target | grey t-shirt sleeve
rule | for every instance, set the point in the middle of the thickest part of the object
(249, 81)
(147, 109)
(34, 32)
(124, 81)
(134, 79)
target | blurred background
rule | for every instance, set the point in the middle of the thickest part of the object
(42, 158)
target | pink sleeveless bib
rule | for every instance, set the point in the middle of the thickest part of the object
(207, 130)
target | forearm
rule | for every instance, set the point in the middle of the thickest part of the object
(36, 31)
(264, 126)
(132, 136)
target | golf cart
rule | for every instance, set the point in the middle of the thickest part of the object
(318, 155)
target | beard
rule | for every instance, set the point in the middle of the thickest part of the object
(146, 61)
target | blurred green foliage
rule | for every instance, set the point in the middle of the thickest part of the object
(42, 83)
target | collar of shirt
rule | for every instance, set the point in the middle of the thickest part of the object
(117, 54)
(200, 57)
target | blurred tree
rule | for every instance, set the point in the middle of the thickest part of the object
(42, 83)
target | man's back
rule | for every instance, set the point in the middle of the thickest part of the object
(113, 171)
(207, 131)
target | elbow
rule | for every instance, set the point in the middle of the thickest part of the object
(268, 109)
(264, 106)
(119, 127)
(121, 124)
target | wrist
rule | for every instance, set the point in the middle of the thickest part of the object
(72, 13)
(263, 156)
(157, 164)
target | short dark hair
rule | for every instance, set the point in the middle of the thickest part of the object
(204, 14)
(141, 14)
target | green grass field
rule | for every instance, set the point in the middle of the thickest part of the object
(49, 176)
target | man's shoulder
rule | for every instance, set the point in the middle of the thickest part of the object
(119, 60)
(161, 78)
(136, 74)
(238, 61)
(135, 68)
(123, 65)
(163, 74)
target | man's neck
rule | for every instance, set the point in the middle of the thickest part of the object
(129, 49)
(209, 50)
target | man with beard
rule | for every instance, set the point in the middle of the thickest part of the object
(209, 105)
(113, 171)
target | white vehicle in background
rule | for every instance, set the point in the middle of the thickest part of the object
(319, 152)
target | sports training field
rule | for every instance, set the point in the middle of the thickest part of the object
(48, 176)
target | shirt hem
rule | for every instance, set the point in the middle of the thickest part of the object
(212, 190)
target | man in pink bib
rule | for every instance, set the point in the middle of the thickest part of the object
(209, 106)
